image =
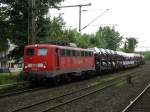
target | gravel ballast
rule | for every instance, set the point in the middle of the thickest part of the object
(111, 100)
(114, 99)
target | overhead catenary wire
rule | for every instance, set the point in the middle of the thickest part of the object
(95, 19)
(104, 25)
(80, 6)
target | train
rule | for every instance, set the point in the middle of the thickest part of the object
(52, 62)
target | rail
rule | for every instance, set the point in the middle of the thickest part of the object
(136, 99)
(92, 89)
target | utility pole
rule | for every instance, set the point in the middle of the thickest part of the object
(80, 7)
(33, 39)
(29, 7)
(80, 18)
(31, 22)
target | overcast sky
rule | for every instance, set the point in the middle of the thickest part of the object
(130, 17)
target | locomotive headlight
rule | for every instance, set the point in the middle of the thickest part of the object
(25, 67)
(36, 45)
(44, 66)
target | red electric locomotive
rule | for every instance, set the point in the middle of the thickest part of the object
(48, 61)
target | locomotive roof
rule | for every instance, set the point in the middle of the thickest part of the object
(95, 50)
(58, 46)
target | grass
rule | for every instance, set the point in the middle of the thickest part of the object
(120, 84)
(9, 78)
(10, 82)
(147, 62)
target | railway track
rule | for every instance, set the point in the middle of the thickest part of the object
(141, 103)
(9, 88)
(58, 101)
(17, 91)
(13, 84)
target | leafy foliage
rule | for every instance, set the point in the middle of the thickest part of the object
(146, 55)
(130, 44)
(54, 29)
(107, 38)
(15, 19)
(4, 32)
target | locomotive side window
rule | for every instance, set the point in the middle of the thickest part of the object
(82, 53)
(30, 51)
(89, 53)
(73, 53)
(68, 53)
(63, 53)
(42, 52)
(78, 53)
(86, 53)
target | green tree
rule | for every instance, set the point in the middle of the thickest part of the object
(84, 40)
(146, 55)
(130, 44)
(69, 35)
(107, 37)
(52, 30)
(17, 21)
(99, 38)
(4, 32)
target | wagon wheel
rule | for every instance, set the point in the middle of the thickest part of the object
(82, 76)
(34, 82)
(66, 78)
(55, 80)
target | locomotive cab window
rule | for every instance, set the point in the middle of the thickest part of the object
(30, 51)
(42, 52)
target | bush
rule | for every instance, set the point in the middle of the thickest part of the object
(8, 78)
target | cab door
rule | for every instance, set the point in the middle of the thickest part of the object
(57, 58)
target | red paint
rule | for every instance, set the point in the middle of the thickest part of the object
(55, 61)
